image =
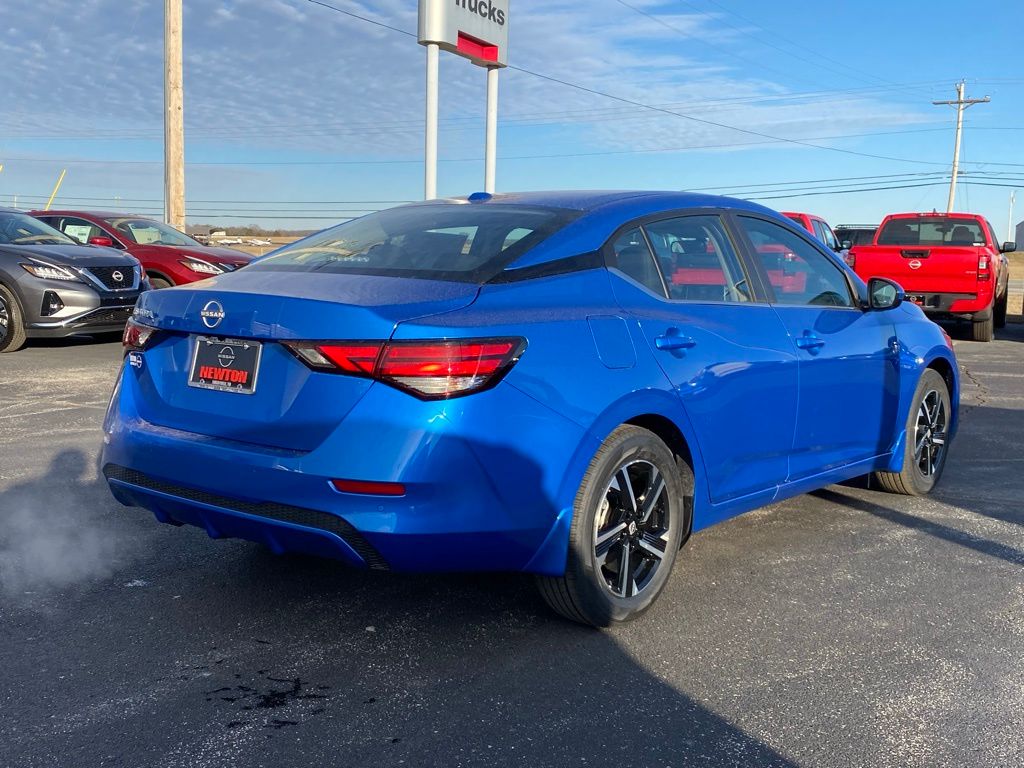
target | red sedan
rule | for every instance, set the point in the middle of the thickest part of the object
(169, 257)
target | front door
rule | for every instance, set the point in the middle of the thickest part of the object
(848, 356)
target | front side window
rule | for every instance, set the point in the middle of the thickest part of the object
(697, 259)
(149, 232)
(467, 243)
(633, 257)
(798, 272)
(22, 229)
(80, 229)
(931, 231)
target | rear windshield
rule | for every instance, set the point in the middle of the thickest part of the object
(933, 230)
(467, 243)
(860, 236)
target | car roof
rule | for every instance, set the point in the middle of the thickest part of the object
(93, 214)
(589, 200)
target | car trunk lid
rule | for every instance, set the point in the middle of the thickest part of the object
(268, 307)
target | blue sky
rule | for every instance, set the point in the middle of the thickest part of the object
(293, 107)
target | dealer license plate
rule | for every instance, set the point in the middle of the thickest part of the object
(229, 365)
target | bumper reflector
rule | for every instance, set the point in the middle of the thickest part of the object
(368, 487)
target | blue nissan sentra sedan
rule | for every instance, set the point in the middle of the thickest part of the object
(562, 383)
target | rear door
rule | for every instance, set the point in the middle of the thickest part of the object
(724, 349)
(848, 370)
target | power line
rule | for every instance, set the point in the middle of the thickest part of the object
(641, 105)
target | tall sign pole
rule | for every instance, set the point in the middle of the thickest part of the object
(1009, 219)
(430, 133)
(476, 30)
(491, 130)
(961, 104)
(174, 130)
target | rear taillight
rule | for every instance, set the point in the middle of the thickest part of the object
(984, 272)
(430, 370)
(138, 337)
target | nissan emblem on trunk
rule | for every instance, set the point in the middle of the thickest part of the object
(212, 313)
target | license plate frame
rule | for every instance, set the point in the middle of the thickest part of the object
(212, 354)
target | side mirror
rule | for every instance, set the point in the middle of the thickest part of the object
(101, 240)
(884, 293)
(846, 245)
(1008, 247)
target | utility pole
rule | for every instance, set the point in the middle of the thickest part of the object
(961, 104)
(1009, 219)
(174, 129)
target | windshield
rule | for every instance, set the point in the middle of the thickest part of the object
(467, 243)
(149, 232)
(932, 230)
(22, 229)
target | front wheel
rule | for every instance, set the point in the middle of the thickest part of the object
(158, 283)
(927, 441)
(12, 327)
(629, 519)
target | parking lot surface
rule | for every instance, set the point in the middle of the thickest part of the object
(844, 628)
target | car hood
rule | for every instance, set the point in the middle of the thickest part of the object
(72, 255)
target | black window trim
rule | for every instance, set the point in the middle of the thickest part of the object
(758, 294)
(750, 256)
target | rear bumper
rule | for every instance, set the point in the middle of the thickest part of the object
(966, 305)
(483, 478)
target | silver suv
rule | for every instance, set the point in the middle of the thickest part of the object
(52, 286)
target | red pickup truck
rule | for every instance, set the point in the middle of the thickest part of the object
(949, 264)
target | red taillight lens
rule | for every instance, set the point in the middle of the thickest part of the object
(368, 487)
(137, 336)
(983, 268)
(430, 370)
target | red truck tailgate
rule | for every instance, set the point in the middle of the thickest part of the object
(939, 269)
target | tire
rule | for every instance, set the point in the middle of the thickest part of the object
(999, 310)
(983, 330)
(927, 428)
(156, 283)
(12, 322)
(592, 591)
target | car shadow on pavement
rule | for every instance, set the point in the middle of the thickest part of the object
(945, 532)
(297, 660)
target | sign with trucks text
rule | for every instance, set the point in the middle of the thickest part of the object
(474, 29)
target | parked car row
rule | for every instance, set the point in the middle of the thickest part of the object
(64, 273)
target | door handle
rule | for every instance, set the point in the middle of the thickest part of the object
(810, 341)
(667, 342)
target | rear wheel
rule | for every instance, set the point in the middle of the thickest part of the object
(12, 324)
(999, 310)
(983, 330)
(927, 440)
(629, 520)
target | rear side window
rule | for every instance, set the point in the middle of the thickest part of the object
(467, 243)
(932, 230)
(697, 259)
(797, 271)
(633, 257)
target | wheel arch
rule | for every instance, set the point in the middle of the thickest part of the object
(151, 273)
(658, 411)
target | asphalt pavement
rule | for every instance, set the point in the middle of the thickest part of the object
(844, 628)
